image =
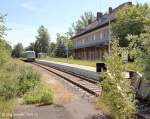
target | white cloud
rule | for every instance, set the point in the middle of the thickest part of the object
(28, 6)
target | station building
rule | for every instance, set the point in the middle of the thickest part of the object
(92, 43)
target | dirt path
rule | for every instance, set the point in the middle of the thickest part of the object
(69, 102)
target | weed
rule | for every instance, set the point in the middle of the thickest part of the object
(40, 95)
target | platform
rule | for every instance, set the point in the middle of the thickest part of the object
(84, 71)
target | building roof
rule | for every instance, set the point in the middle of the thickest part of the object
(103, 21)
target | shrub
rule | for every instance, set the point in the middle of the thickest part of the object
(8, 85)
(47, 96)
(4, 53)
(28, 79)
(32, 97)
(40, 94)
(117, 94)
(16, 78)
(6, 108)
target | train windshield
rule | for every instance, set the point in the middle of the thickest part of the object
(30, 54)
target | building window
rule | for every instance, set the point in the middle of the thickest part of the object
(104, 35)
(83, 41)
(91, 37)
(100, 36)
(94, 37)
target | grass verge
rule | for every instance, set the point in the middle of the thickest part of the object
(19, 79)
(74, 61)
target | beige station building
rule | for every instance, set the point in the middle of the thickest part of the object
(93, 42)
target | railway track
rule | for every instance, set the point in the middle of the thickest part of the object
(87, 85)
(92, 88)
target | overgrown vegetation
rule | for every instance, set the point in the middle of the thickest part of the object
(28, 79)
(131, 20)
(4, 53)
(16, 78)
(117, 94)
(41, 94)
(20, 80)
(131, 30)
(133, 26)
(141, 53)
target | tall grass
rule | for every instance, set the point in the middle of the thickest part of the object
(41, 95)
(16, 79)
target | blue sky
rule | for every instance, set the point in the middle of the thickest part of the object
(25, 16)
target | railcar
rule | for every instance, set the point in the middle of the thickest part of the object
(28, 56)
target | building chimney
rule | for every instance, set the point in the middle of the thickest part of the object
(89, 21)
(129, 3)
(110, 10)
(99, 15)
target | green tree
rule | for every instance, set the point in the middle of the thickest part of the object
(131, 20)
(2, 26)
(117, 94)
(4, 50)
(42, 42)
(80, 24)
(68, 43)
(70, 33)
(60, 50)
(139, 48)
(52, 48)
(63, 45)
(17, 50)
(31, 47)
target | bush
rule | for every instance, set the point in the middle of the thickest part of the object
(117, 94)
(28, 79)
(40, 95)
(9, 83)
(4, 53)
(7, 106)
(47, 96)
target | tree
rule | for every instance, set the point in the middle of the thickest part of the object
(31, 47)
(4, 52)
(80, 24)
(17, 50)
(117, 93)
(4, 49)
(68, 43)
(60, 50)
(70, 33)
(52, 48)
(139, 48)
(42, 42)
(63, 45)
(131, 20)
(139, 45)
(2, 26)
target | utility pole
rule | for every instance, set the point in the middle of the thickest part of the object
(109, 27)
(67, 46)
(67, 52)
(109, 41)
